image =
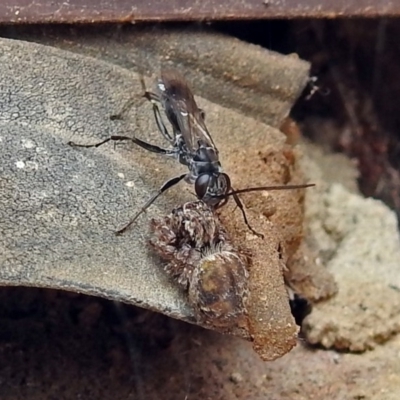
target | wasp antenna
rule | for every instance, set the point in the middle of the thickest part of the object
(262, 188)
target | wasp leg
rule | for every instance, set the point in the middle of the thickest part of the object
(163, 188)
(141, 143)
(240, 205)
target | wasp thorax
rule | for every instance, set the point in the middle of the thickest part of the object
(201, 258)
(218, 288)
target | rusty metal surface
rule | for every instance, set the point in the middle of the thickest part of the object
(23, 11)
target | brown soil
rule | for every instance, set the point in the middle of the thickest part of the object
(58, 345)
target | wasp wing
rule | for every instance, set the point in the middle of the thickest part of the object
(182, 111)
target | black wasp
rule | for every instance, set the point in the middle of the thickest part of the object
(190, 143)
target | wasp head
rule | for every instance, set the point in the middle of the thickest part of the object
(210, 187)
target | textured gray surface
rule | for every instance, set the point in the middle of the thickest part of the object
(60, 205)
(244, 77)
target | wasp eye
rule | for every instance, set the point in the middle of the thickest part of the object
(201, 185)
(225, 183)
